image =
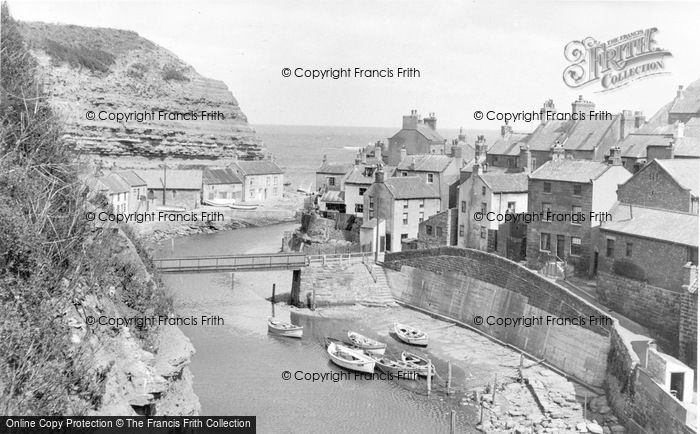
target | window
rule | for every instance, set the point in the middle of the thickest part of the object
(251, 182)
(693, 255)
(224, 194)
(211, 195)
(274, 191)
(483, 232)
(575, 246)
(421, 217)
(405, 204)
(404, 173)
(547, 187)
(483, 191)
(546, 211)
(331, 181)
(464, 206)
(461, 230)
(358, 207)
(421, 203)
(545, 242)
(438, 231)
(428, 230)
(610, 247)
(628, 249)
(369, 171)
(405, 218)
(252, 193)
(276, 180)
(430, 178)
(174, 194)
(371, 203)
(483, 207)
(362, 191)
(576, 215)
(267, 181)
(511, 208)
(404, 236)
(577, 189)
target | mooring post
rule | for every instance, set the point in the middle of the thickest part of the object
(449, 375)
(520, 370)
(493, 396)
(430, 378)
(272, 300)
(453, 422)
(585, 405)
(481, 411)
(232, 281)
(313, 297)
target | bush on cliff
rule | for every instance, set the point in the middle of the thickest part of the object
(51, 259)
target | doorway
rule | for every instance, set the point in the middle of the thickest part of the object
(677, 380)
(560, 247)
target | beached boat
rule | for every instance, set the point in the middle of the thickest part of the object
(398, 368)
(281, 328)
(421, 363)
(367, 344)
(243, 206)
(411, 335)
(171, 209)
(219, 202)
(287, 183)
(348, 358)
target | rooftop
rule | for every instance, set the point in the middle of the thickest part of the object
(411, 187)
(175, 179)
(509, 145)
(334, 168)
(425, 162)
(357, 175)
(684, 171)
(635, 145)
(113, 183)
(212, 175)
(689, 102)
(669, 226)
(573, 135)
(506, 182)
(256, 167)
(131, 178)
(333, 196)
(570, 170)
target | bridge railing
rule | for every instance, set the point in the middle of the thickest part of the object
(235, 262)
(339, 258)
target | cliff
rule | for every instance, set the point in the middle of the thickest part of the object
(116, 71)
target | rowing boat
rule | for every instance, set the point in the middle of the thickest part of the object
(420, 363)
(219, 202)
(411, 335)
(367, 344)
(352, 359)
(243, 206)
(281, 328)
(398, 368)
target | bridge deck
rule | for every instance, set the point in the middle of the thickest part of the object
(203, 264)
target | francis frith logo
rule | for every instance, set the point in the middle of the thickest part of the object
(614, 63)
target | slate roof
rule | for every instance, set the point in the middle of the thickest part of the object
(688, 147)
(357, 176)
(334, 168)
(132, 178)
(509, 145)
(689, 101)
(333, 196)
(256, 167)
(570, 170)
(425, 131)
(506, 182)
(114, 183)
(212, 175)
(669, 226)
(175, 179)
(425, 162)
(635, 145)
(411, 187)
(573, 135)
(686, 172)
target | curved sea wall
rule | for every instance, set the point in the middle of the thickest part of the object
(464, 283)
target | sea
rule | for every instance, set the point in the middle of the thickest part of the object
(299, 150)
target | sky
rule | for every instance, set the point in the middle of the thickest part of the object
(505, 56)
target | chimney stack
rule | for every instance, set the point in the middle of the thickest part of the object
(557, 152)
(581, 105)
(325, 158)
(525, 158)
(431, 121)
(410, 122)
(679, 131)
(480, 150)
(547, 111)
(639, 119)
(615, 156)
(506, 129)
(379, 174)
(462, 137)
(378, 151)
(627, 121)
(679, 92)
(403, 153)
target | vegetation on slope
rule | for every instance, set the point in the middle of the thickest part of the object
(51, 258)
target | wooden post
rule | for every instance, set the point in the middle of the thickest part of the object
(481, 411)
(520, 371)
(313, 296)
(430, 371)
(585, 405)
(453, 422)
(493, 396)
(449, 375)
(272, 300)
(232, 281)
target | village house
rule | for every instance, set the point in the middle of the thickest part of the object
(138, 191)
(220, 184)
(417, 136)
(438, 230)
(572, 197)
(262, 179)
(490, 196)
(117, 191)
(505, 151)
(331, 176)
(403, 203)
(648, 251)
(178, 188)
(358, 181)
(438, 169)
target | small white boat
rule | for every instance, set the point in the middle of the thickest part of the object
(281, 328)
(354, 360)
(243, 206)
(367, 344)
(411, 335)
(171, 209)
(398, 368)
(219, 202)
(418, 362)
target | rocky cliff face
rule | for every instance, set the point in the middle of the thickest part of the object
(107, 71)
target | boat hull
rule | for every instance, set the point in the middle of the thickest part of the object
(418, 362)
(368, 345)
(352, 360)
(411, 336)
(399, 370)
(284, 329)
